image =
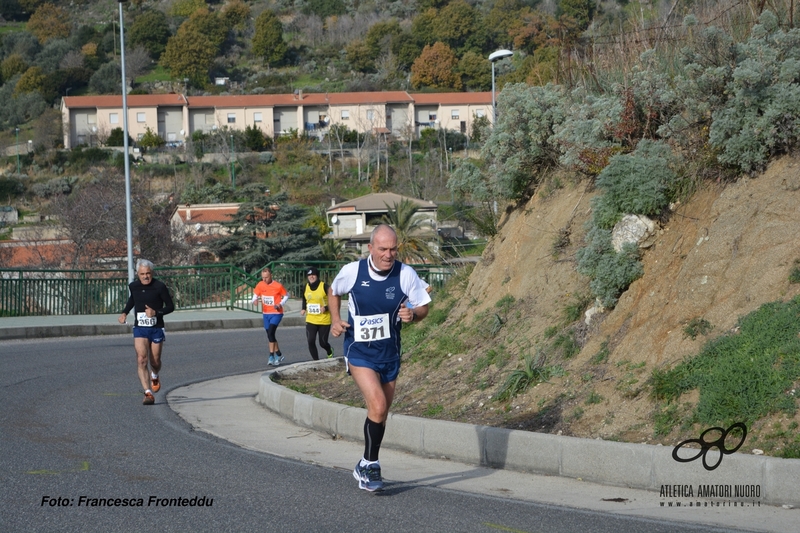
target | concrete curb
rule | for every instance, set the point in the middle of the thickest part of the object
(639, 466)
(79, 330)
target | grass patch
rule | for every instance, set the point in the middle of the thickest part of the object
(157, 74)
(532, 371)
(601, 356)
(794, 275)
(741, 377)
(433, 410)
(593, 398)
(697, 326)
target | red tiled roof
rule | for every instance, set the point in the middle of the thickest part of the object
(207, 215)
(279, 100)
(34, 254)
(134, 100)
(452, 98)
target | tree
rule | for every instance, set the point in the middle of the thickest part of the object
(209, 24)
(456, 22)
(268, 40)
(255, 140)
(151, 30)
(150, 139)
(50, 22)
(189, 54)
(107, 79)
(476, 72)
(412, 237)
(266, 230)
(117, 138)
(12, 65)
(32, 81)
(325, 8)
(436, 68)
(235, 14)
(137, 63)
(47, 132)
(92, 216)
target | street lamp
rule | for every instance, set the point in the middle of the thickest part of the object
(128, 216)
(493, 57)
(17, 130)
(233, 167)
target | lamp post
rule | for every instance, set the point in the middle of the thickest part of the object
(233, 167)
(128, 216)
(17, 130)
(494, 57)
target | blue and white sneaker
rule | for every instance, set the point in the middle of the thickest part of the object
(271, 360)
(279, 359)
(369, 477)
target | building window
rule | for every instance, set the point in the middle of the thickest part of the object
(140, 117)
(370, 114)
(479, 113)
(139, 136)
(256, 117)
(113, 118)
(345, 115)
(454, 114)
(431, 117)
(231, 118)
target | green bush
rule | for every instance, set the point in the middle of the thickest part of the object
(761, 116)
(637, 183)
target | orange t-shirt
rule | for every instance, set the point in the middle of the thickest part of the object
(270, 296)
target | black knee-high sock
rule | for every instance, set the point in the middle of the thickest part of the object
(373, 436)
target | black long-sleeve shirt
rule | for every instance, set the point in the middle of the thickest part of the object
(155, 295)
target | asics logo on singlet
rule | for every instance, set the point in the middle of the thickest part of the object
(371, 321)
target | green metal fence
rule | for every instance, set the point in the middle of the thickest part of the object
(92, 292)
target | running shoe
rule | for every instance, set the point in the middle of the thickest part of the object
(149, 399)
(155, 384)
(369, 477)
(279, 359)
(271, 360)
(330, 355)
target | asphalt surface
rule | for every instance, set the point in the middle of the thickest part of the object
(72, 426)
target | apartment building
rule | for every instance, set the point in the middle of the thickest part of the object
(90, 119)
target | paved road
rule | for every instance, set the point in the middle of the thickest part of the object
(72, 426)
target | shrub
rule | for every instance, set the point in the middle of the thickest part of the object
(740, 377)
(637, 183)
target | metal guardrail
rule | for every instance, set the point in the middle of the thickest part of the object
(31, 292)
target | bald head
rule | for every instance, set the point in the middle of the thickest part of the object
(383, 247)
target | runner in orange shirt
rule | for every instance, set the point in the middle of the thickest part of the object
(272, 296)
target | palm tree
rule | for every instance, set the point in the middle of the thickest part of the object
(333, 250)
(412, 237)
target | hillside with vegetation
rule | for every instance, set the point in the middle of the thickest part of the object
(557, 330)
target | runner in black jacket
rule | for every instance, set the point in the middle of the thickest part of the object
(150, 300)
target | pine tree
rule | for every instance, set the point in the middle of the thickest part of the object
(266, 230)
(268, 41)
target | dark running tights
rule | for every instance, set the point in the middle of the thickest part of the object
(373, 436)
(271, 333)
(312, 330)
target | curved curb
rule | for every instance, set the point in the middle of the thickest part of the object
(640, 466)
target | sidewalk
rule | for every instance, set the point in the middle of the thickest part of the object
(227, 408)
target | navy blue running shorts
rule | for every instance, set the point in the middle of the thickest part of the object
(154, 335)
(388, 372)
